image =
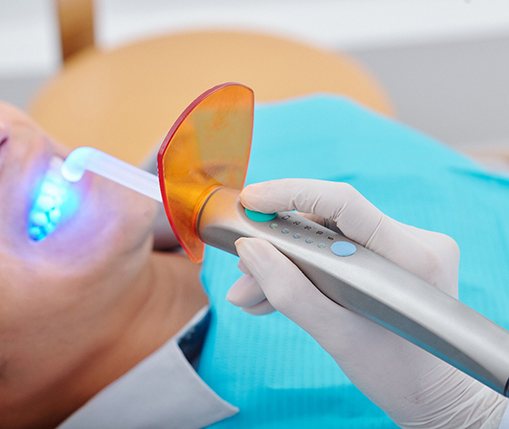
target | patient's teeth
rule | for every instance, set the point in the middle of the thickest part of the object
(36, 233)
(53, 195)
(55, 215)
(39, 218)
(45, 202)
(50, 189)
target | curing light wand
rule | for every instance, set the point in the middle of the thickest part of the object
(88, 158)
(344, 271)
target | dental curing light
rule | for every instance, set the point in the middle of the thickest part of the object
(202, 165)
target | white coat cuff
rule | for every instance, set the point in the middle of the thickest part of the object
(504, 424)
(163, 390)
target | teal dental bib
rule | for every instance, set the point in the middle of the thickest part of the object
(270, 368)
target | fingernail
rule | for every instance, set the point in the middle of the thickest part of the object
(242, 267)
(253, 190)
(231, 295)
(238, 245)
(250, 194)
(235, 294)
(251, 259)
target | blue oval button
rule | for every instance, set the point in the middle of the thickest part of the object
(259, 217)
(343, 248)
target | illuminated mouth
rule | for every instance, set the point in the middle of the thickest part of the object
(54, 202)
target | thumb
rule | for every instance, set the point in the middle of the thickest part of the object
(286, 288)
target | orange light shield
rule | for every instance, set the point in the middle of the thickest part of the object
(207, 147)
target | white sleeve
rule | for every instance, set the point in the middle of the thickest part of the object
(163, 390)
(504, 423)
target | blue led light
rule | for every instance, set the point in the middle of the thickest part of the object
(38, 218)
(55, 215)
(54, 202)
(36, 233)
(45, 202)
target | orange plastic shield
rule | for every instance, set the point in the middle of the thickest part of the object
(208, 146)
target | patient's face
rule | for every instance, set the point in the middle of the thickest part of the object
(58, 294)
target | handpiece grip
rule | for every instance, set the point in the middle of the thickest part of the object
(372, 286)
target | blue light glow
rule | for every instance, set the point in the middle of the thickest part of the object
(55, 201)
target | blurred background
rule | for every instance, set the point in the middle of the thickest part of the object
(444, 64)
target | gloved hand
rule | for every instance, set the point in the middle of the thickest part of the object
(416, 389)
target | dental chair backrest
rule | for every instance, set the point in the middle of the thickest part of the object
(130, 95)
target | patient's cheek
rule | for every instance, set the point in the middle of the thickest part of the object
(114, 216)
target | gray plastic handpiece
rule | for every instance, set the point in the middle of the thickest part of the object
(371, 286)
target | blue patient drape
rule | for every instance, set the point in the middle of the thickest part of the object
(270, 368)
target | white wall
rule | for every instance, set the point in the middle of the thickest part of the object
(444, 63)
(29, 41)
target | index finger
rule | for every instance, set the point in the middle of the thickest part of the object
(355, 216)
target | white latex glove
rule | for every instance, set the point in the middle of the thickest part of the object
(414, 388)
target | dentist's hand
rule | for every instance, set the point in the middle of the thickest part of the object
(416, 389)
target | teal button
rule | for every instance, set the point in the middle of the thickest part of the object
(259, 217)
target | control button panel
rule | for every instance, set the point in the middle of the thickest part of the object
(294, 227)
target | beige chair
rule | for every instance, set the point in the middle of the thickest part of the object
(124, 100)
